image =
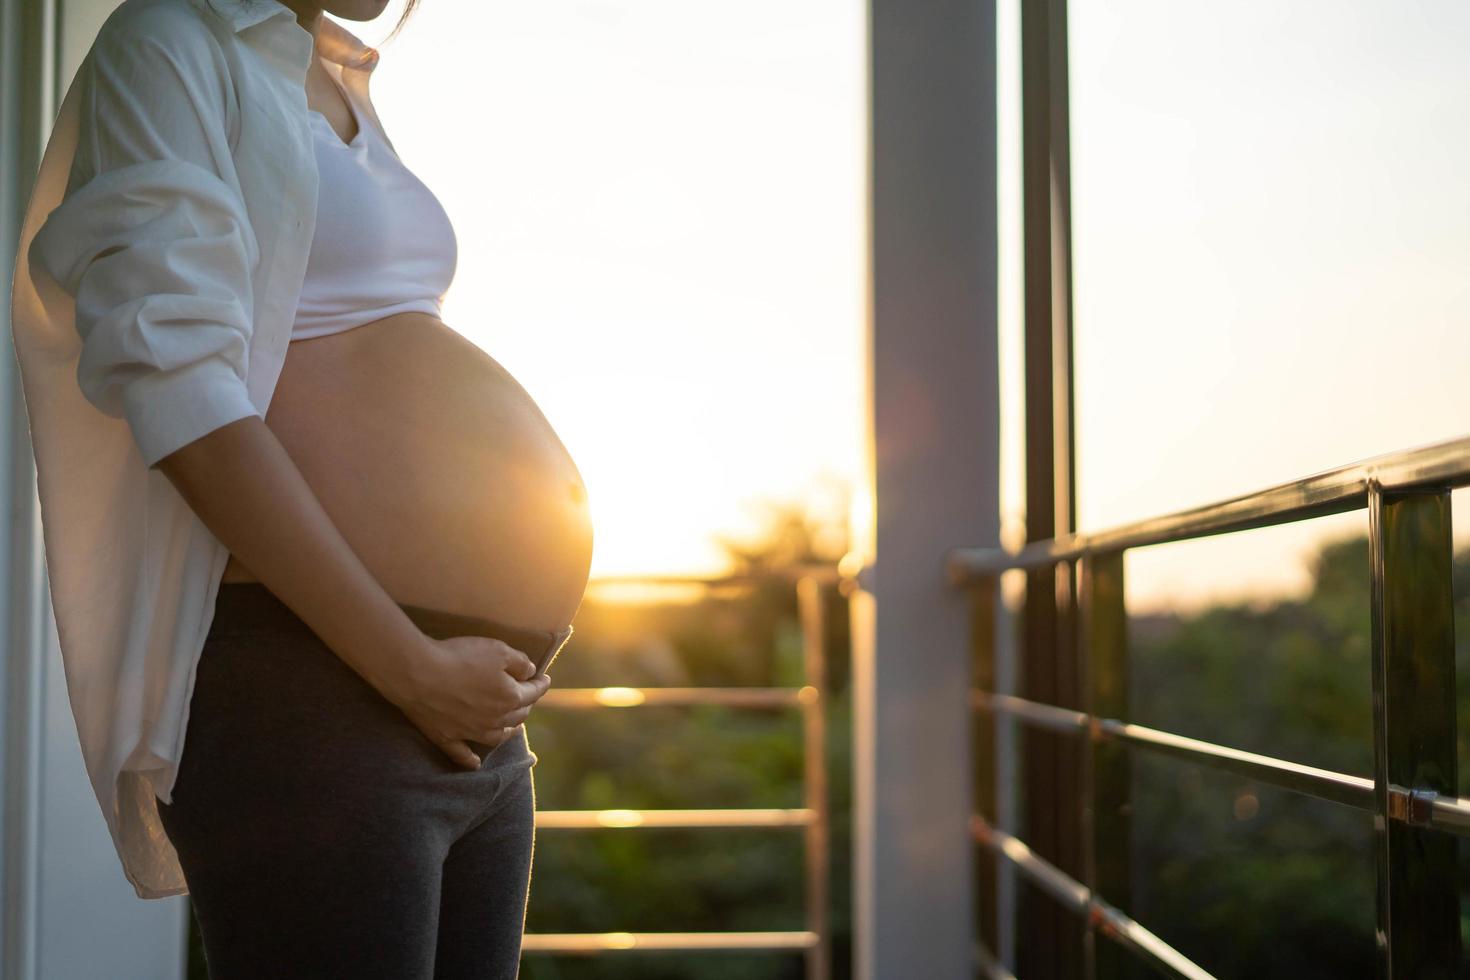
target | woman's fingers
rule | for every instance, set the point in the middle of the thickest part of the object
(503, 729)
(511, 719)
(530, 691)
(521, 666)
(496, 736)
(461, 754)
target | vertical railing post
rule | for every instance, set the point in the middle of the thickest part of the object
(810, 598)
(1414, 737)
(983, 595)
(1049, 943)
(1108, 769)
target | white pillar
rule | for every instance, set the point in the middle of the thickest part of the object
(933, 392)
(66, 909)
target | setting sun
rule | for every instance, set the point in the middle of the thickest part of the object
(659, 210)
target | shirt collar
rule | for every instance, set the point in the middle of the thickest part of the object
(333, 41)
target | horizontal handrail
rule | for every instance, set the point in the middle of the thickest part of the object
(1101, 916)
(1446, 813)
(1331, 491)
(986, 962)
(633, 697)
(1323, 784)
(1420, 808)
(666, 942)
(1038, 714)
(824, 573)
(618, 819)
(812, 819)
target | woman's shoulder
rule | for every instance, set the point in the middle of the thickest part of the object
(178, 29)
(157, 52)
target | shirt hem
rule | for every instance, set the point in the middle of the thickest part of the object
(412, 306)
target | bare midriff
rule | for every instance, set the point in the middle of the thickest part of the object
(439, 470)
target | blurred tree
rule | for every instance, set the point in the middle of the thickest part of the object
(1244, 878)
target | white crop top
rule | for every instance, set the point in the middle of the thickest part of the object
(383, 243)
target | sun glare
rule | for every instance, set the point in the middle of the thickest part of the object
(659, 209)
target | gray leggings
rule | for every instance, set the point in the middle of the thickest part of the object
(322, 834)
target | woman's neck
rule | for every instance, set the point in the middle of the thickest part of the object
(308, 15)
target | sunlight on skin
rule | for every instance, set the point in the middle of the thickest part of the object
(659, 210)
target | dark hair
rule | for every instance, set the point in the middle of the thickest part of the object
(409, 8)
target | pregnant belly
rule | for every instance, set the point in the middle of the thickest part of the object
(438, 469)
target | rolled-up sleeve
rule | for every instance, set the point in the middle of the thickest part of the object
(153, 242)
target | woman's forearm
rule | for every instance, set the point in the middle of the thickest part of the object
(247, 490)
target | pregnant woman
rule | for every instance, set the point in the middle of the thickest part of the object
(310, 550)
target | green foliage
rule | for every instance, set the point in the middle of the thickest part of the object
(1246, 879)
(703, 880)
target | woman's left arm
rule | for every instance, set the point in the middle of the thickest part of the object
(152, 237)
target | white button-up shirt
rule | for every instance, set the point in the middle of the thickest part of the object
(157, 276)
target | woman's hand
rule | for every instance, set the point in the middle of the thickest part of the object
(466, 688)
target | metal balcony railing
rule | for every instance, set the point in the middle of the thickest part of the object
(1412, 792)
(812, 817)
